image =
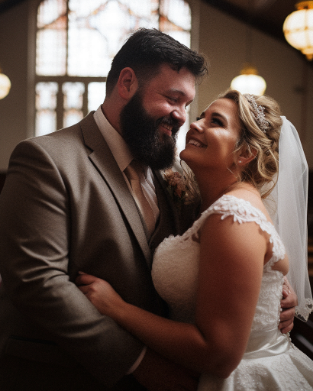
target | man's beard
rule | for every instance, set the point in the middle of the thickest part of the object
(146, 143)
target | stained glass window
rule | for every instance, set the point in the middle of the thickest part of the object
(46, 103)
(72, 102)
(76, 42)
(51, 38)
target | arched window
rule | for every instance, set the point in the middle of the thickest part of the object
(76, 42)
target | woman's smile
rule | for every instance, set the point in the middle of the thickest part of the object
(196, 143)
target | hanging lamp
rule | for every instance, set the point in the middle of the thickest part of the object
(298, 28)
(5, 85)
(249, 82)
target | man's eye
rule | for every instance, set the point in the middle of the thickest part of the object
(175, 100)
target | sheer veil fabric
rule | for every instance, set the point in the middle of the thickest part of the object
(287, 205)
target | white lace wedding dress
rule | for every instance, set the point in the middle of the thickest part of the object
(271, 361)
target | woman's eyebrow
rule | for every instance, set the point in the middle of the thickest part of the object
(215, 114)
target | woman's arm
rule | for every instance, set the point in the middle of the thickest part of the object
(231, 266)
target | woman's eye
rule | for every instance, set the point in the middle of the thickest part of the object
(217, 121)
(198, 118)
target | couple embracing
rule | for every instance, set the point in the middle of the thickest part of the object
(109, 285)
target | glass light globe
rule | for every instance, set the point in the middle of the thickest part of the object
(298, 28)
(249, 82)
(5, 85)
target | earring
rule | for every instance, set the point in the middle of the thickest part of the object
(239, 161)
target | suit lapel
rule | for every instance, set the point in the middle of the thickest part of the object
(105, 163)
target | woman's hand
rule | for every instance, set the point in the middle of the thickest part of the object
(101, 294)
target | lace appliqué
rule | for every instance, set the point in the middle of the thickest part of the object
(270, 374)
(306, 310)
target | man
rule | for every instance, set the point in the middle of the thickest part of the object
(70, 204)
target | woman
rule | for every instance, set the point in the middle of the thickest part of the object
(223, 278)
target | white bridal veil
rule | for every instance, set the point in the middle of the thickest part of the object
(289, 213)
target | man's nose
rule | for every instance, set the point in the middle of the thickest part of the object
(180, 115)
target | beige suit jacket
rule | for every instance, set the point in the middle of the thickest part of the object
(65, 208)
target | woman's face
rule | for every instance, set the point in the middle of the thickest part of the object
(212, 139)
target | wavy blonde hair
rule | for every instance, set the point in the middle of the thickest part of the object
(252, 140)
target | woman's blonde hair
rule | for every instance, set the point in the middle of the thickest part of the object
(258, 139)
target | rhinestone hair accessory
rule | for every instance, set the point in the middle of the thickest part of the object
(258, 113)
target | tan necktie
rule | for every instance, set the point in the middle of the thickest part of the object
(135, 175)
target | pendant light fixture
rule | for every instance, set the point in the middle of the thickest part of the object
(298, 28)
(5, 85)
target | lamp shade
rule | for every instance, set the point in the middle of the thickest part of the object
(249, 82)
(298, 28)
(5, 85)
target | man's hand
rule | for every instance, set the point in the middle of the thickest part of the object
(158, 374)
(288, 304)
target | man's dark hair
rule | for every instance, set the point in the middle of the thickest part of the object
(146, 50)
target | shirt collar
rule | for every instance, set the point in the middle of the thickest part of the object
(115, 141)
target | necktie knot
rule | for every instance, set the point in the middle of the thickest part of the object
(135, 171)
(135, 175)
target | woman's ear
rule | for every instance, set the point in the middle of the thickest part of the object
(246, 156)
(127, 83)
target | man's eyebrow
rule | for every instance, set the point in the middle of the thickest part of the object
(179, 92)
(176, 91)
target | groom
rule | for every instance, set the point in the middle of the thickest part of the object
(71, 203)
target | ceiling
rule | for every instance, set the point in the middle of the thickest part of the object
(266, 15)
(7, 4)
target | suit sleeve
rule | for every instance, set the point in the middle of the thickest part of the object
(35, 257)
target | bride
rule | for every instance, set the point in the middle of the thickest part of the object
(223, 278)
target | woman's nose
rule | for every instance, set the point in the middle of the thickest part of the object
(196, 125)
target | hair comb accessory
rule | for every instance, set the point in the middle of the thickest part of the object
(258, 113)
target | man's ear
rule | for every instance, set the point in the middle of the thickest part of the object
(246, 156)
(127, 83)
